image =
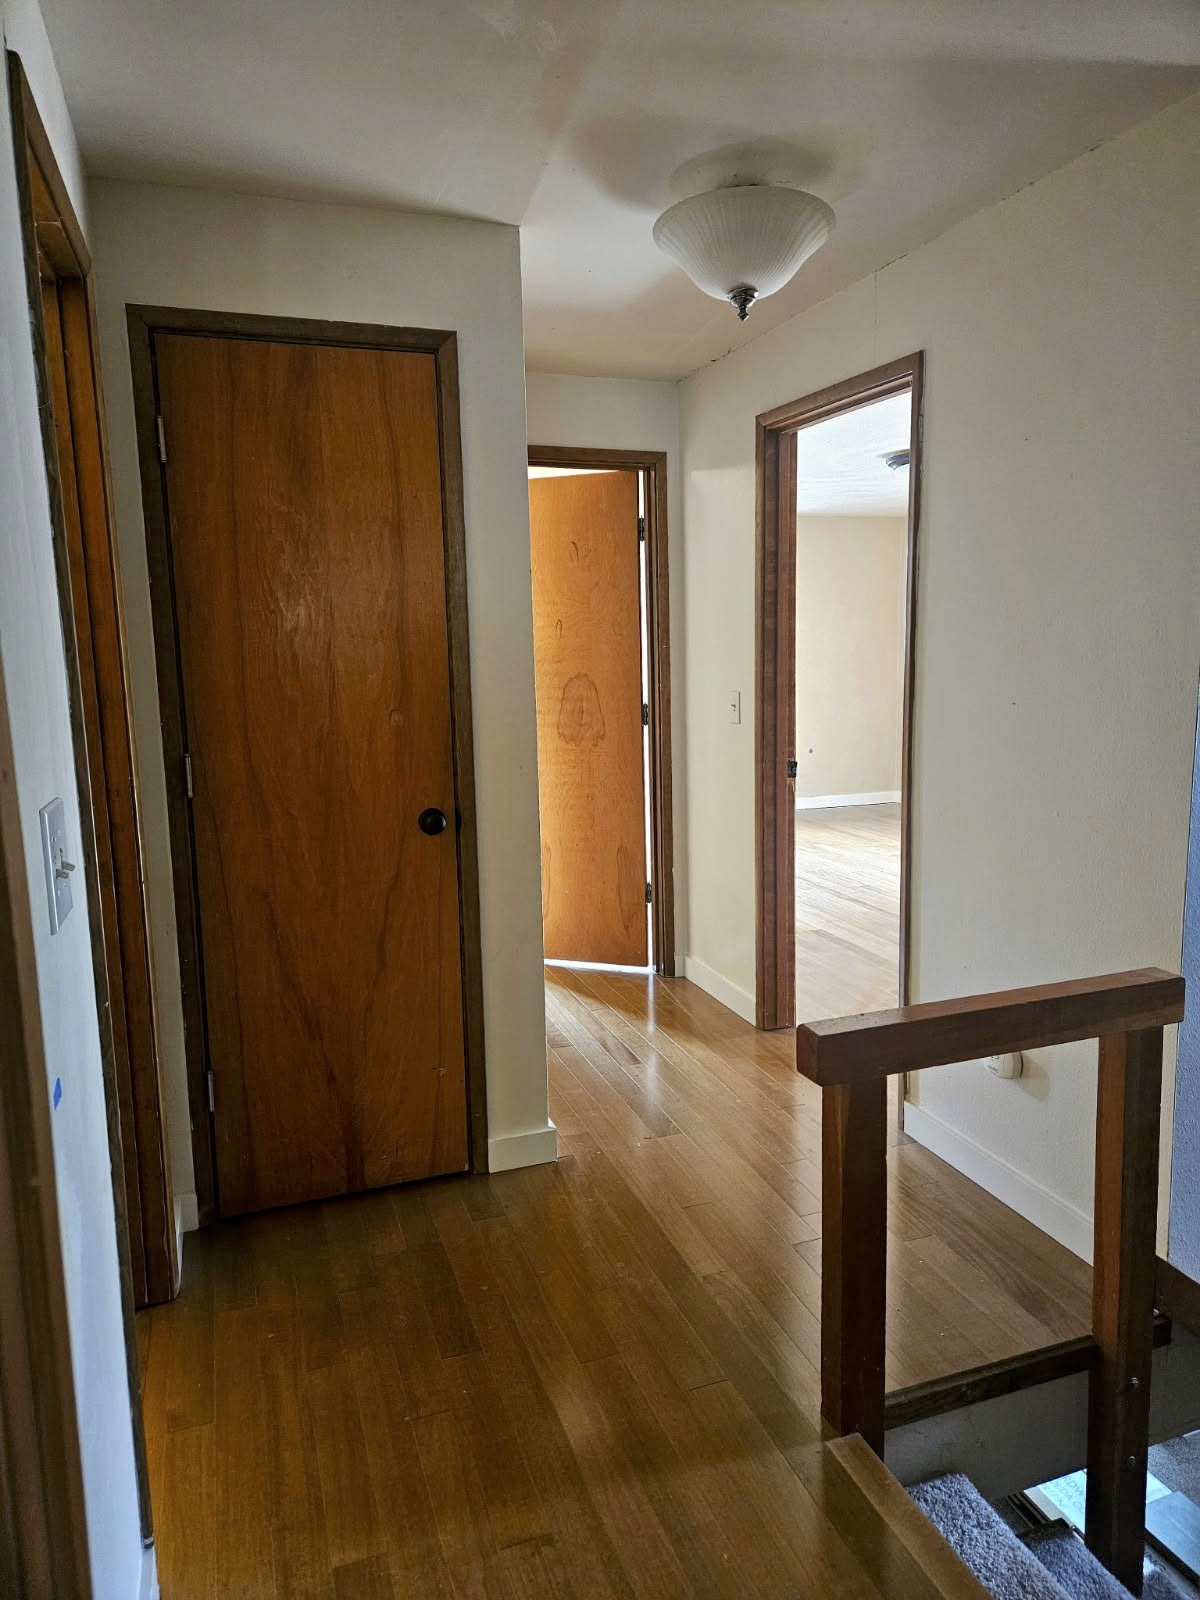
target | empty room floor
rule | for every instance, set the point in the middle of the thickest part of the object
(847, 910)
(594, 1378)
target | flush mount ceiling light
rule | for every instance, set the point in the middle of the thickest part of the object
(898, 459)
(744, 240)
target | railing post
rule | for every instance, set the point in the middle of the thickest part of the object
(1127, 1116)
(854, 1257)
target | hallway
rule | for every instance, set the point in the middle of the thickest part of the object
(593, 1378)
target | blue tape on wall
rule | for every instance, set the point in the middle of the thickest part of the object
(57, 1096)
(1185, 1143)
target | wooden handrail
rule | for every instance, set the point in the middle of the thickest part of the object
(852, 1058)
(879, 1044)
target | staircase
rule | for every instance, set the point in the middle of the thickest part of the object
(940, 1540)
(1050, 1563)
(946, 1518)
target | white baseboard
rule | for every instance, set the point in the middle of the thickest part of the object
(739, 1000)
(815, 802)
(148, 1586)
(1047, 1211)
(187, 1220)
(530, 1149)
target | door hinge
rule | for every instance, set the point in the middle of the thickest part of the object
(793, 769)
(649, 894)
(162, 441)
(641, 527)
(645, 715)
(212, 1099)
(187, 776)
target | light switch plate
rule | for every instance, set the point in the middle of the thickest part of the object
(57, 863)
(735, 705)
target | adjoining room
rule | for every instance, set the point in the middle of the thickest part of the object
(851, 581)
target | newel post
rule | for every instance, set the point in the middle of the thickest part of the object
(1127, 1119)
(854, 1257)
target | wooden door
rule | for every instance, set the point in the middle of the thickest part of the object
(591, 753)
(304, 500)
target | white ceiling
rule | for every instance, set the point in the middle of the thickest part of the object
(840, 470)
(569, 117)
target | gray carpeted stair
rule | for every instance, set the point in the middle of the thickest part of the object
(1077, 1571)
(1054, 1564)
(985, 1543)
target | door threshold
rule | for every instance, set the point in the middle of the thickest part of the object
(600, 966)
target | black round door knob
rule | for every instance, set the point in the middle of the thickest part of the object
(432, 820)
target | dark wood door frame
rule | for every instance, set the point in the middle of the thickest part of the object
(144, 322)
(652, 464)
(775, 627)
(43, 1524)
(85, 554)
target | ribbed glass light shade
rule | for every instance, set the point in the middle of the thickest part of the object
(747, 236)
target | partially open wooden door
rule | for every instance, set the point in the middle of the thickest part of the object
(305, 507)
(591, 750)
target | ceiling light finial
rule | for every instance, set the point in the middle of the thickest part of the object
(744, 239)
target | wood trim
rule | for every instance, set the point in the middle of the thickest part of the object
(561, 455)
(775, 472)
(170, 695)
(1176, 1295)
(880, 1043)
(937, 1396)
(144, 322)
(59, 235)
(774, 736)
(1126, 1215)
(887, 1512)
(653, 465)
(118, 778)
(916, 442)
(288, 330)
(891, 378)
(454, 522)
(43, 1548)
(53, 245)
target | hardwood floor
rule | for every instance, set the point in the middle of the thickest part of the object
(596, 1378)
(847, 910)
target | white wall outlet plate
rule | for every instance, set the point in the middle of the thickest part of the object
(1010, 1066)
(56, 862)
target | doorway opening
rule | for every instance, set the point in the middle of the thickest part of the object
(838, 510)
(602, 677)
(851, 570)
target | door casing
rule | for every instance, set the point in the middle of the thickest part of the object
(653, 466)
(144, 322)
(775, 687)
(85, 556)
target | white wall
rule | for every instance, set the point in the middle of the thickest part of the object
(850, 581)
(225, 252)
(629, 414)
(1058, 622)
(36, 764)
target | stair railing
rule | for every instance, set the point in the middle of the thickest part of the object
(851, 1058)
